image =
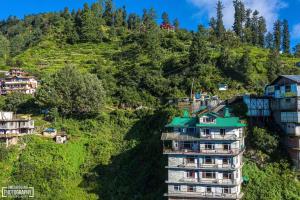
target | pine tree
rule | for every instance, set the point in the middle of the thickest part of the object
(165, 18)
(133, 22)
(176, 24)
(239, 17)
(254, 28)
(273, 64)
(219, 23)
(108, 13)
(286, 37)
(124, 16)
(198, 50)
(245, 66)
(90, 28)
(269, 40)
(262, 29)
(297, 51)
(247, 30)
(277, 35)
(118, 22)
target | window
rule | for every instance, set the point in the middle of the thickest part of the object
(226, 147)
(209, 160)
(222, 132)
(187, 145)
(208, 190)
(206, 132)
(227, 175)
(190, 174)
(226, 190)
(177, 188)
(191, 188)
(209, 175)
(191, 130)
(225, 161)
(209, 147)
(287, 88)
(190, 159)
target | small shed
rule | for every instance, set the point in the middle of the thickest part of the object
(50, 132)
(61, 139)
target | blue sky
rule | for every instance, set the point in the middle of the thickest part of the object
(189, 12)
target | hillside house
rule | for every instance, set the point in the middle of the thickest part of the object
(204, 156)
(17, 80)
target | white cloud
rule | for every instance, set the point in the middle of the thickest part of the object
(267, 8)
(296, 31)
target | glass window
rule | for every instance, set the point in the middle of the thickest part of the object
(226, 190)
(206, 132)
(287, 88)
(177, 187)
(209, 175)
(227, 175)
(190, 174)
(190, 159)
(222, 132)
(225, 161)
(208, 190)
(226, 147)
(191, 188)
(208, 160)
(209, 147)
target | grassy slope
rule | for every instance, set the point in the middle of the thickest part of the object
(109, 142)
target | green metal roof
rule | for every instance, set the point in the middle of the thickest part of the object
(183, 122)
(193, 121)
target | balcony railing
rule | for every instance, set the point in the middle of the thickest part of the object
(216, 151)
(212, 181)
(194, 137)
(208, 195)
(207, 166)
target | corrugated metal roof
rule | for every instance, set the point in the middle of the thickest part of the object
(295, 78)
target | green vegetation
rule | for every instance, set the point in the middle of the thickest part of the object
(105, 80)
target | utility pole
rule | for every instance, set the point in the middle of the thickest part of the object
(192, 88)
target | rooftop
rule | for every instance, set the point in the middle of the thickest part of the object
(220, 121)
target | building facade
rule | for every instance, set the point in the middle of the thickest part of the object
(11, 125)
(204, 156)
(285, 107)
(16, 80)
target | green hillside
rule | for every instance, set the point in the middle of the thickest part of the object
(107, 83)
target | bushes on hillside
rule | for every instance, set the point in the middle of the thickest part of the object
(72, 92)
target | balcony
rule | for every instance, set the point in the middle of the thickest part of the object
(216, 151)
(204, 195)
(201, 166)
(198, 137)
(207, 181)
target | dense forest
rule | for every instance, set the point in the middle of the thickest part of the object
(106, 77)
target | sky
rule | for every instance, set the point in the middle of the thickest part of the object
(189, 12)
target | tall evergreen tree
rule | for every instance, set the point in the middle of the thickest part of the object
(108, 14)
(269, 40)
(273, 64)
(277, 35)
(219, 23)
(247, 30)
(198, 50)
(90, 28)
(297, 51)
(262, 29)
(286, 37)
(118, 22)
(165, 18)
(124, 16)
(245, 66)
(239, 17)
(133, 21)
(176, 24)
(254, 28)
